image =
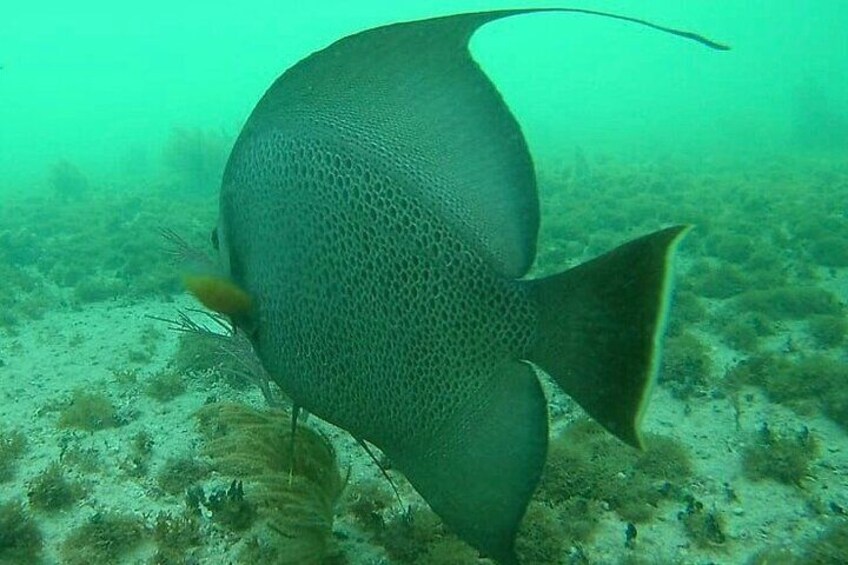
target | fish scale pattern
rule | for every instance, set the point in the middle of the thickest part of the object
(367, 299)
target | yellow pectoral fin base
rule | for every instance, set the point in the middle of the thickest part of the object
(219, 294)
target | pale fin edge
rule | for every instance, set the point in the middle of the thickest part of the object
(666, 293)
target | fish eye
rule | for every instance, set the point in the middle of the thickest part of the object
(215, 238)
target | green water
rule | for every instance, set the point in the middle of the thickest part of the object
(116, 121)
(103, 85)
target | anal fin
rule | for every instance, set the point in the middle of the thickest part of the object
(481, 474)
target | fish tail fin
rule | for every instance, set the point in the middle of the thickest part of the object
(600, 327)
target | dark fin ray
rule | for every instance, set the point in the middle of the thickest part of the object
(600, 326)
(481, 474)
(294, 416)
(691, 36)
(461, 148)
(383, 470)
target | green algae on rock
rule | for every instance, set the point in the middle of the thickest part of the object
(21, 539)
(165, 385)
(814, 382)
(702, 525)
(584, 463)
(88, 411)
(790, 302)
(781, 456)
(686, 365)
(105, 537)
(828, 330)
(179, 473)
(53, 490)
(13, 445)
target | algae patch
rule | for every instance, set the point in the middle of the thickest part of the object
(814, 382)
(783, 457)
(89, 411)
(104, 538)
(21, 540)
(52, 490)
(294, 500)
(703, 526)
(586, 464)
(13, 445)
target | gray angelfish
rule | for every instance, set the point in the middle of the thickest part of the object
(379, 209)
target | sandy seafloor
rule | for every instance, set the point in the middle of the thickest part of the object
(75, 340)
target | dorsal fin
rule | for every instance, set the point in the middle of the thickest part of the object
(435, 118)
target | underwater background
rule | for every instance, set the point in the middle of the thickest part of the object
(128, 436)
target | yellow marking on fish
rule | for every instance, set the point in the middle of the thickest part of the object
(219, 294)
